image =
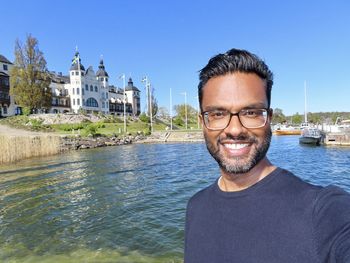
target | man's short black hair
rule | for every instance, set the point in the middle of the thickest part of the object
(235, 60)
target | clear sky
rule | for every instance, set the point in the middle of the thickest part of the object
(169, 41)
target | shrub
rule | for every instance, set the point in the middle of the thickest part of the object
(178, 121)
(26, 111)
(89, 130)
(144, 118)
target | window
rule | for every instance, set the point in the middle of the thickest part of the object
(103, 104)
(77, 73)
(78, 92)
(91, 102)
(78, 102)
(91, 88)
(73, 101)
(106, 95)
(4, 110)
(96, 89)
(86, 87)
(83, 102)
(5, 67)
(82, 91)
(106, 79)
(107, 104)
(73, 91)
(72, 73)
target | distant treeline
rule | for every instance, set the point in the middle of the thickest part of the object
(312, 117)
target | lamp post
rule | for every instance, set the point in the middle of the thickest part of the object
(185, 93)
(123, 77)
(171, 111)
(149, 98)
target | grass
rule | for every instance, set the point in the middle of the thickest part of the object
(110, 126)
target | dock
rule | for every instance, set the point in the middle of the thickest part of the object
(337, 139)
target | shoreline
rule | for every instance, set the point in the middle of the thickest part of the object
(21, 144)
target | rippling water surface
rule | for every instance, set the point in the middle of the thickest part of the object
(127, 203)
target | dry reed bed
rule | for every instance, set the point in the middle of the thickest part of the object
(15, 148)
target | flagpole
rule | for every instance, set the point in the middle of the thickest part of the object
(124, 105)
(151, 113)
(171, 112)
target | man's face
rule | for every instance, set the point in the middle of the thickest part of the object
(236, 148)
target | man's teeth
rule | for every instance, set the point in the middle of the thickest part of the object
(236, 146)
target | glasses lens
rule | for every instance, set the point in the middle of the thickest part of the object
(216, 120)
(253, 118)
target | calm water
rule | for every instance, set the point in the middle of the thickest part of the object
(127, 203)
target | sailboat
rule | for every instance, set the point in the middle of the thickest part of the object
(309, 135)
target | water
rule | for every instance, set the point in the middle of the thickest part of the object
(127, 203)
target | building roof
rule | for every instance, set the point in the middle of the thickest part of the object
(90, 68)
(3, 74)
(4, 60)
(131, 86)
(59, 78)
(76, 62)
(101, 72)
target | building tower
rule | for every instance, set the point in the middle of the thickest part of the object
(76, 74)
(102, 78)
(133, 97)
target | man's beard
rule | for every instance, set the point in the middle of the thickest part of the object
(239, 165)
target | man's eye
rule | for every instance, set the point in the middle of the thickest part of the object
(252, 113)
(217, 114)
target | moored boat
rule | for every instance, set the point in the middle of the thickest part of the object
(310, 136)
(285, 129)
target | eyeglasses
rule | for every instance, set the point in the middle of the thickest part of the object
(249, 118)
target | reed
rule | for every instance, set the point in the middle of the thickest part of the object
(15, 148)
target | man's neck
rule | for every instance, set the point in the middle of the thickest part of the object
(237, 182)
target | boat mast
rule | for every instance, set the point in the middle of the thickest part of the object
(305, 110)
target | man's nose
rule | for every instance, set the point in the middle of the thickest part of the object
(234, 127)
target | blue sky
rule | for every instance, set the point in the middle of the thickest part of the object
(169, 41)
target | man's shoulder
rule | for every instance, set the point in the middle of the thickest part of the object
(204, 194)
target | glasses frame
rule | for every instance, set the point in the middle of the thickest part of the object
(205, 114)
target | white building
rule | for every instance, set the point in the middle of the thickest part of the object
(7, 103)
(89, 91)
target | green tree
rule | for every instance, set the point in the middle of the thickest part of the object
(192, 113)
(278, 116)
(30, 79)
(297, 118)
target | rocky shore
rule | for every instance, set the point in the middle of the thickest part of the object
(78, 143)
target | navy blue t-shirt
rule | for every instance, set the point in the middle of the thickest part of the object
(279, 219)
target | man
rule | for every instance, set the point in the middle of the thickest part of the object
(256, 212)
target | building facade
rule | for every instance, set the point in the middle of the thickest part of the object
(90, 92)
(7, 105)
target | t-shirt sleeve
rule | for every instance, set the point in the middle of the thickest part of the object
(331, 222)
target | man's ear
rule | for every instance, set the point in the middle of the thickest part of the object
(270, 114)
(200, 117)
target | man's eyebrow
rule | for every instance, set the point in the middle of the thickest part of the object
(212, 108)
(255, 106)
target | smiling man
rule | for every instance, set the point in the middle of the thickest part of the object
(256, 212)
